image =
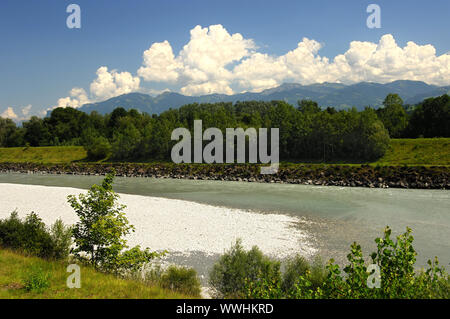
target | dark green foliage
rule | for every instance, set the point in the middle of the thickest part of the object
(181, 279)
(296, 267)
(10, 135)
(98, 148)
(177, 278)
(307, 133)
(300, 267)
(308, 106)
(375, 139)
(126, 140)
(62, 239)
(36, 132)
(393, 115)
(398, 277)
(240, 274)
(66, 125)
(431, 118)
(116, 115)
(32, 236)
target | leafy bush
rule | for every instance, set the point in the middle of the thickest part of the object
(252, 275)
(176, 278)
(32, 236)
(181, 279)
(398, 278)
(62, 239)
(299, 267)
(129, 261)
(240, 273)
(36, 280)
(296, 267)
(35, 238)
(98, 148)
(10, 231)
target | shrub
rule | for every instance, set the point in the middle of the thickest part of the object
(32, 236)
(35, 238)
(252, 275)
(399, 279)
(296, 267)
(62, 239)
(130, 261)
(36, 280)
(299, 267)
(181, 279)
(11, 230)
(240, 273)
(98, 148)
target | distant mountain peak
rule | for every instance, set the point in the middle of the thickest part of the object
(325, 94)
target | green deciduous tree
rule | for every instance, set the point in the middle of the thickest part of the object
(393, 115)
(99, 236)
(98, 148)
(431, 118)
(36, 132)
(10, 134)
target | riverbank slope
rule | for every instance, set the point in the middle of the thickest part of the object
(17, 269)
(409, 163)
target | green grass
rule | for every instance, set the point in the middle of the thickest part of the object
(44, 155)
(15, 269)
(420, 151)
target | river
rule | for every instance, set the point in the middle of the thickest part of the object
(283, 219)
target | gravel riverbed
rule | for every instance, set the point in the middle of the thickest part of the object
(174, 225)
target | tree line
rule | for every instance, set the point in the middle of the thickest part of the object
(306, 132)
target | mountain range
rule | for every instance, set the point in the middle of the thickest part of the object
(337, 95)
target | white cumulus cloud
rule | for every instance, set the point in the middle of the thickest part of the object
(207, 88)
(9, 114)
(201, 66)
(77, 98)
(215, 61)
(108, 84)
(385, 61)
(26, 110)
(160, 64)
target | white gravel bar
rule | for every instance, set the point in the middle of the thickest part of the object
(173, 225)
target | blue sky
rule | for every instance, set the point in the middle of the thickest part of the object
(41, 60)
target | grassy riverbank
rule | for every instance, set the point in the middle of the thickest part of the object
(411, 152)
(45, 155)
(17, 269)
(420, 151)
